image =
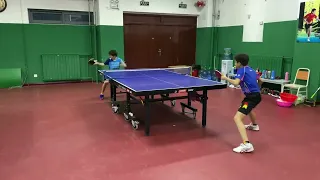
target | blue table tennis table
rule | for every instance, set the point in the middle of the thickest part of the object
(141, 86)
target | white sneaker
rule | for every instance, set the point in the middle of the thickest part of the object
(252, 127)
(244, 148)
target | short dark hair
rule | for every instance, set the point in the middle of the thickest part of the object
(113, 53)
(243, 59)
(314, 9)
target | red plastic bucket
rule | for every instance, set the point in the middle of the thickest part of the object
(288, 97)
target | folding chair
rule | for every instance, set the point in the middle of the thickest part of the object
(302, 74)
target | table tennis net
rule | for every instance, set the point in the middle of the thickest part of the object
(184, 70)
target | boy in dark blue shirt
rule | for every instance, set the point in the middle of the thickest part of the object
(248, 79)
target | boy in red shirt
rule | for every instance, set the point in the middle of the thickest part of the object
(308, 19)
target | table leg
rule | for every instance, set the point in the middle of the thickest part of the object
(111, 91)
(128, 106)
(204, 108)
(114, 92)
(147, 120)
(113, 97)
(189, 99)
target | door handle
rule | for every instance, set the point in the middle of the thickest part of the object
(159, 51)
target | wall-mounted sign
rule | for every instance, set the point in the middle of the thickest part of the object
(144, 3)
(114, 4)
(3, 5)
(183, 6)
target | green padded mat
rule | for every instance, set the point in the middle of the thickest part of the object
(10, 78)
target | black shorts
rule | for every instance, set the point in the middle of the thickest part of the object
(249, 102)
(307, 26)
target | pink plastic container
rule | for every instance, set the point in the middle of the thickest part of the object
(283, 103)
(286, 76)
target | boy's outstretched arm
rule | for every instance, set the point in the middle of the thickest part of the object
(235, 82)
(99, 63)
(96, 62)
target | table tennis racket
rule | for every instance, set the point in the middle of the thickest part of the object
(218, 74)
(91, 61)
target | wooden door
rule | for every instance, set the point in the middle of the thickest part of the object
(159, 41)
(161, 48)
(136, 46)
(185, 48)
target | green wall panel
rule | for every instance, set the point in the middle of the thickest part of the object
(110, 37)
(204, 49)
(278, 40)
(54, 39)
(306, 56)
(12, 48)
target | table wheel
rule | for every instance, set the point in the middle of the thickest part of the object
(135, 124)
(115, 108)
(128, 116)
(194, 115)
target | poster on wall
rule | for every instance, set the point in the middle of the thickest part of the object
(309, 22)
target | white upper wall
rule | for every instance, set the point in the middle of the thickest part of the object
(108, 16)
(232, 12)
(17, 11)
(235, 12)
(12, 14)
(205, 19)
(284, 10)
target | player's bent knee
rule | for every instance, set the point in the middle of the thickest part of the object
(106, 82)
(238, 117)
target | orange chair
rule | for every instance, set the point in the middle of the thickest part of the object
(302, 75)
